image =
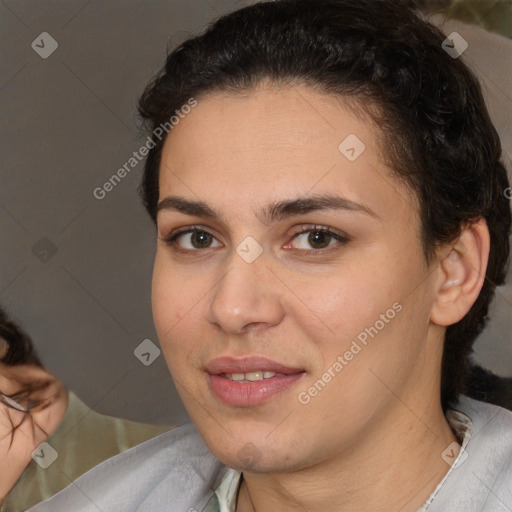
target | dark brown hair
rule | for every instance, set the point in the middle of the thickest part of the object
(20, 349)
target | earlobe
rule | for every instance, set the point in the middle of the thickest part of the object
(462, 274)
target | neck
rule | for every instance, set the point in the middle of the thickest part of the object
(396, 466)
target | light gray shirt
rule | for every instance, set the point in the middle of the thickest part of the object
(175, 472)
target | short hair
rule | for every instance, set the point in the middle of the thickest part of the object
(437, 135)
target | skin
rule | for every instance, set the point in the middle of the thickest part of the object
(372, 439)
(22, 432)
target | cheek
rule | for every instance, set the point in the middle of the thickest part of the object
(178, 311)
(349, 300)
(163, 298)
(361, 310)
(169, 304)
(376, 319)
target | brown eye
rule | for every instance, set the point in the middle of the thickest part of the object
(200, 239)
(318, 238)
(196, 239)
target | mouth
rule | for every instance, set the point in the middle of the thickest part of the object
(249, 381)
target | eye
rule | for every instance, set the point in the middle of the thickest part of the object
(197, 239)
(319, 238)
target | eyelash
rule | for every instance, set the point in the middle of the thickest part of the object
(172, 239)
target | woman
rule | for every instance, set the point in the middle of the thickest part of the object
(328, 194)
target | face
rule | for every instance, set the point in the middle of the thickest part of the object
(286, 323)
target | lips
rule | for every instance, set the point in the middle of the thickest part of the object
(249, 381)
(230, 365)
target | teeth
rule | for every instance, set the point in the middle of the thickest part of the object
(251, 376)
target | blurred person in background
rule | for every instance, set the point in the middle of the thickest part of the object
(36, 407)
(494, 16)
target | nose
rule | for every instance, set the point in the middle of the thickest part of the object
(247, 297)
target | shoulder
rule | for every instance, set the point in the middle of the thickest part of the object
(106, 435)
(494, 419)
(172, 471)
(481, 481)
(491, 437)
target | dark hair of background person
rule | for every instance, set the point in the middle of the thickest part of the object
(16, 347)
(437, 133)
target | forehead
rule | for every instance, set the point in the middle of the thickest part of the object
(277, 142)
(271, 117)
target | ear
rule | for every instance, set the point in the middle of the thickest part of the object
(462, 275)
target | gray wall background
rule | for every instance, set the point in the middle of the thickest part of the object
(75, 271)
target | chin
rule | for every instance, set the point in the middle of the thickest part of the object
(255, 453)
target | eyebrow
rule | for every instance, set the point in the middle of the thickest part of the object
(272, 212)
